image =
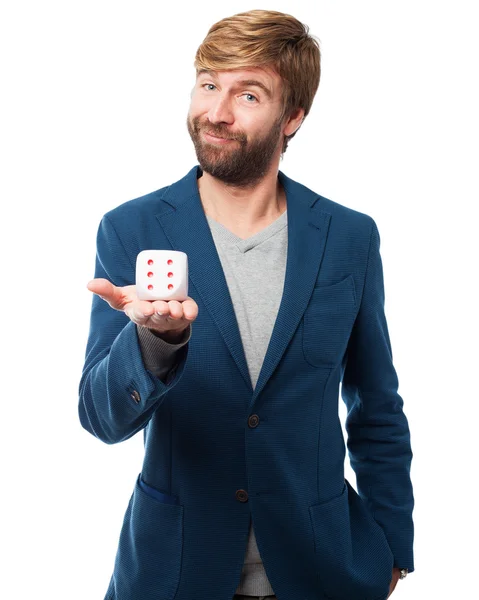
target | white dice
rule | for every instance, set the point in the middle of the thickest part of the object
(162, 275)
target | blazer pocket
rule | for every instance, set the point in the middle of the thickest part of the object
(149, 555)
(328, 321)
(156, 494)
(353, 557)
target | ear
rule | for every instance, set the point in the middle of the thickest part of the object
(294, 121)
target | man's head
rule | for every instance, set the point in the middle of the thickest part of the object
(275, 51)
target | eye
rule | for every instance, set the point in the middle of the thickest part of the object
(245, 94)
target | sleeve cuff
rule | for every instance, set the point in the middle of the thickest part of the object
(160, 356)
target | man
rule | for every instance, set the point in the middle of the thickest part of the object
(242, 491)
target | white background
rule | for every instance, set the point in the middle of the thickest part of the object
(94, 101)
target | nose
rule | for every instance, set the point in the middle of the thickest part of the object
(220, 110)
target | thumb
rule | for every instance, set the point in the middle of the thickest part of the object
(107, 291)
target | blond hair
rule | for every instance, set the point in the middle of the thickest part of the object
(271, 39)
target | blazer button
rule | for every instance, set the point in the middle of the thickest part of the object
(253, 421)
(242, 495)
(136, 396)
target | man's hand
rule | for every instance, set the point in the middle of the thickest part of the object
(394, 580)
(165, 317)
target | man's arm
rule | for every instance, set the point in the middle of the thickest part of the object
(378, 432)
(117, 392)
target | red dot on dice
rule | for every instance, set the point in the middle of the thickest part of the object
(150, 274)
(170, 287)
(170, 274)
(170, 262)
(150, 287)
(150, 262)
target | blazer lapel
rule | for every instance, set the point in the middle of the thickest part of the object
(184, 223)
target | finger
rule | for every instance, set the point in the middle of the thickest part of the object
(139, 311)
(160, 307)
(190, 309)
(106, 290)
(158, 322)
(117, 297)
(176, 310)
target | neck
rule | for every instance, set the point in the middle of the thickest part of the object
(244, 207)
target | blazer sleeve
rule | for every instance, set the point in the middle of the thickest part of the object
(118, 393)
(378, 436)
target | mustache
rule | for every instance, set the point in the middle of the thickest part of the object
(215, 134)
(219, 134)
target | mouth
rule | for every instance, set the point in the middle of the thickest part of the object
(216, 139)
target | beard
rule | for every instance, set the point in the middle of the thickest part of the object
(240, 162)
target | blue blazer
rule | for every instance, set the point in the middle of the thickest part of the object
(208, 466)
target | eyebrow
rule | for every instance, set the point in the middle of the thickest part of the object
(241, 82)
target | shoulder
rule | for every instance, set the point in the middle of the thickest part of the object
(346, 225)
(138, 208)
(348, 230)
(345, 215)
(341, 215)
